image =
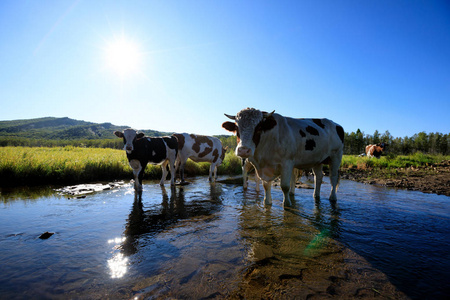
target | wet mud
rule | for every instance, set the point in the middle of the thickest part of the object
(428, 179)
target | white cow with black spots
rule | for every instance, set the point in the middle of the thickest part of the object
(199, 148)
(277, 145)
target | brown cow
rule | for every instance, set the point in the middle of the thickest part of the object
(375, 150)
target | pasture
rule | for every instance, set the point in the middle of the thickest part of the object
(70, 165)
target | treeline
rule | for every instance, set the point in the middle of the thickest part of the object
(355, 143)
(85, 143)
(429, 143)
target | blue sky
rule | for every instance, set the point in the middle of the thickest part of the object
(373, 65)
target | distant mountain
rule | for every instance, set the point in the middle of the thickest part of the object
(50, 128)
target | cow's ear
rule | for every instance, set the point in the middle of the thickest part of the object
(230, 126)
(268, 123)
(140, 135)
(118, 134)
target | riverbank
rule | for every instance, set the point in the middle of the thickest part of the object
(25, 166)
(428, 178)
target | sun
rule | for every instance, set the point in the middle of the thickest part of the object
(123, 56)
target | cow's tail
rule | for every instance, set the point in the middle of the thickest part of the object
(338, 180)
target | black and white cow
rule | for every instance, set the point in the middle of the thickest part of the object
(276, 145)
(142, 150)
(199, 148)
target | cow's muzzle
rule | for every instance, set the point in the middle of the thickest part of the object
(243, 152)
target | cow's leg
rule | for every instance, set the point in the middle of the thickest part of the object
(215, 173)
(257, 181)
(296, 173)
(172, 171)
(136, 166)
(177, 167)
(267, 192)
(182, 161)
(245, 167)
(164, 172)
(210, 172)
(334, 175)
(287, 176)
(318, 176)
(141, 176)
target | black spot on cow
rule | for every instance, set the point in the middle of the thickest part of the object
(302, 133)
(263, 126)
(171, 142)
(340, 132)
(157, 150)
(312, 130)
(310, 145)
(319, 123)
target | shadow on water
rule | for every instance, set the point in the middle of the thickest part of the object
(402, 233)
(144, 223)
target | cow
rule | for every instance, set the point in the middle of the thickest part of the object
(247, 167)
(142, 150)
(277, 145)
(375, 150)
(199, 148)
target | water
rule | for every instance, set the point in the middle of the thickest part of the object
(204, 240)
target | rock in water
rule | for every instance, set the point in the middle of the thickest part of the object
(46, 235)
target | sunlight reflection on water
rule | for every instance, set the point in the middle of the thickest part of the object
(118, 265)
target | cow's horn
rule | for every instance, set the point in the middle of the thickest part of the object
(231, 117)
(267, 115)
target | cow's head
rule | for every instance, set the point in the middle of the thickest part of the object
(248, 126)
(129, 136)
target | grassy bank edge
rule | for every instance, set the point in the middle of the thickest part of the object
(72, 165)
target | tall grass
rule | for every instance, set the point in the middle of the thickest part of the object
(24, 165)
(70, 165)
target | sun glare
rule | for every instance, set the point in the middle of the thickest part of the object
(123, 56)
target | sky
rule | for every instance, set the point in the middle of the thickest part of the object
(178, 66)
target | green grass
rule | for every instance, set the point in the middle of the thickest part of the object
(70, 165)
(391, 161)
(32, 166)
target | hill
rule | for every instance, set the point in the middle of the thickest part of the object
(59, 129)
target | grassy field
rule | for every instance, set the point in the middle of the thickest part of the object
(393, 162)
(71, 165)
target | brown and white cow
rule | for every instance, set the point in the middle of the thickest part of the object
(277, 145)
(375, 150)
(199, 148)
(141, 150)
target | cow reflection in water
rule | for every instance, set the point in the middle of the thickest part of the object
(144, 223)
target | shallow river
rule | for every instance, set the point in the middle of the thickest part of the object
(218, 241)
